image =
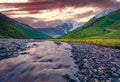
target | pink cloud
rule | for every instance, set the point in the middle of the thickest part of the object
(33, 5)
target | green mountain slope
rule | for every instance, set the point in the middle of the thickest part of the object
(10, 28)
(104, 27)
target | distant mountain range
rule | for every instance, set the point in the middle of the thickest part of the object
(10, 28)
(60, 30)
(104, 25)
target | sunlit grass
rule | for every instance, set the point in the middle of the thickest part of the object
(113, 43)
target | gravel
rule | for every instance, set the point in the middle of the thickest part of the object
(96, 64)
(14, 47)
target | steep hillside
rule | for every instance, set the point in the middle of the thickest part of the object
(10, 28)
(106, 26)
(7, 30)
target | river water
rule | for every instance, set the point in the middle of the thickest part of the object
(44, 61)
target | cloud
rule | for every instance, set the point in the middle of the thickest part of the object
(38, 23)
(55, 12)
(33, 5)
(83, 15)
(55, 17)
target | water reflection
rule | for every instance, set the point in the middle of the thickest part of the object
(46, 62)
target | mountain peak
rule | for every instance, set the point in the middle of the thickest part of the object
(105, 12)
(106, 27)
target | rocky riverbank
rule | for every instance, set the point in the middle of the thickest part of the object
(36, 61)
(96, 64)
(12, 48)
(48, 61)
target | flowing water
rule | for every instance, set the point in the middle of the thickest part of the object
(44, 61)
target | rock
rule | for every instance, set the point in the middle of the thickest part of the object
(58, 43)
(114, 75)
(100, 71)
(96, 63)
(47, 60)
(24, 53)
(11, 48)
(66, 76)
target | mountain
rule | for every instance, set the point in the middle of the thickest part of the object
(59, 30)
(104, 13)
(76, 25)
(10, 28)
(104, 25)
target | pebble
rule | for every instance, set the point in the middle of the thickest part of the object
(96, 64)
(11, 48)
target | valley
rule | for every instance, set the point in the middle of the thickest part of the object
(10, 28)
(68, 52)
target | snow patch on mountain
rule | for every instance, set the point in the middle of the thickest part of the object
(66, 27)
(76, 25)
(105, 12)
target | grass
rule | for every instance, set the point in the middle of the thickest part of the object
(10, 28)
(103, 28)
(103, 31)
(112, 43)
(8, 31)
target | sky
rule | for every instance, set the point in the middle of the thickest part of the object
(50, 13)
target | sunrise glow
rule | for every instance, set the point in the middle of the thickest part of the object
(13, 1)
(43, 11)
